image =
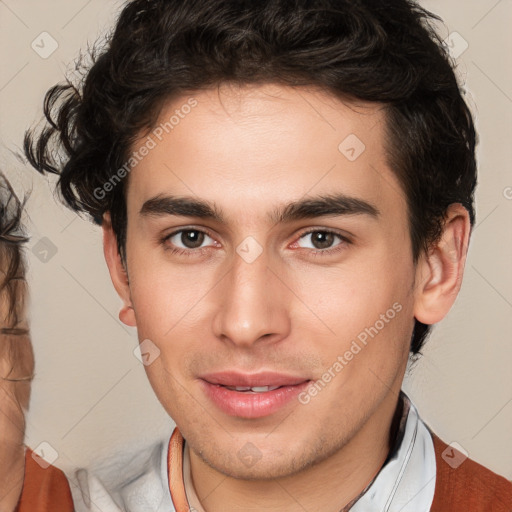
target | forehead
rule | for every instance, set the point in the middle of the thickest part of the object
(252, 147)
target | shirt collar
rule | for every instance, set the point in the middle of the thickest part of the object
(407, 479)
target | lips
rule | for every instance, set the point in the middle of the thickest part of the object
(251, 395)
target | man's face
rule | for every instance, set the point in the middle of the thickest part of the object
(263, 293)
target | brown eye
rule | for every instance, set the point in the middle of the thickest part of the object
(192, 239)
(319, 240)
(322, 239)
(188, 239)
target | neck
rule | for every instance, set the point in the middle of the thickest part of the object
(329, 485)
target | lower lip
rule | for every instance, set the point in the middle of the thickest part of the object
(251, 405)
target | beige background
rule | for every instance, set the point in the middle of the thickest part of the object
(90, 395)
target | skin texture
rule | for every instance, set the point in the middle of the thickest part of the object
(249, 151)
(16, 368)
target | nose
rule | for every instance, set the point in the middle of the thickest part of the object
(252, 304)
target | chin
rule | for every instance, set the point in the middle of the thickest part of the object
(243, 460)
(260, 471)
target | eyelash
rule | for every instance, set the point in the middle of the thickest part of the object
(315, 252)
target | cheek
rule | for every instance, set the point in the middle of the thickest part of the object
(353, 296)
(165, 296)
(368, 309)
(171, 306)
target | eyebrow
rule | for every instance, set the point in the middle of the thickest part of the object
(325, 205)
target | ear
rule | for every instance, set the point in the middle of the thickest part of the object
(439, 273)
(118, 272)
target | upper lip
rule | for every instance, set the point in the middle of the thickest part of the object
(235, 378)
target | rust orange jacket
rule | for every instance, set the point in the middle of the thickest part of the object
(44, 490)
(468, 488)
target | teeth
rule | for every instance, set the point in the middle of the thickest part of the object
(254, 389)
(263, 389)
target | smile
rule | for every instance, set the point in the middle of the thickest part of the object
(251, 395)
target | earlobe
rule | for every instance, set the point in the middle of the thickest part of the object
(118, 272)
(127, 316)
(439, 273)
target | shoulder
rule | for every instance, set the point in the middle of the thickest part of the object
(462, 484)
(45, 487)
